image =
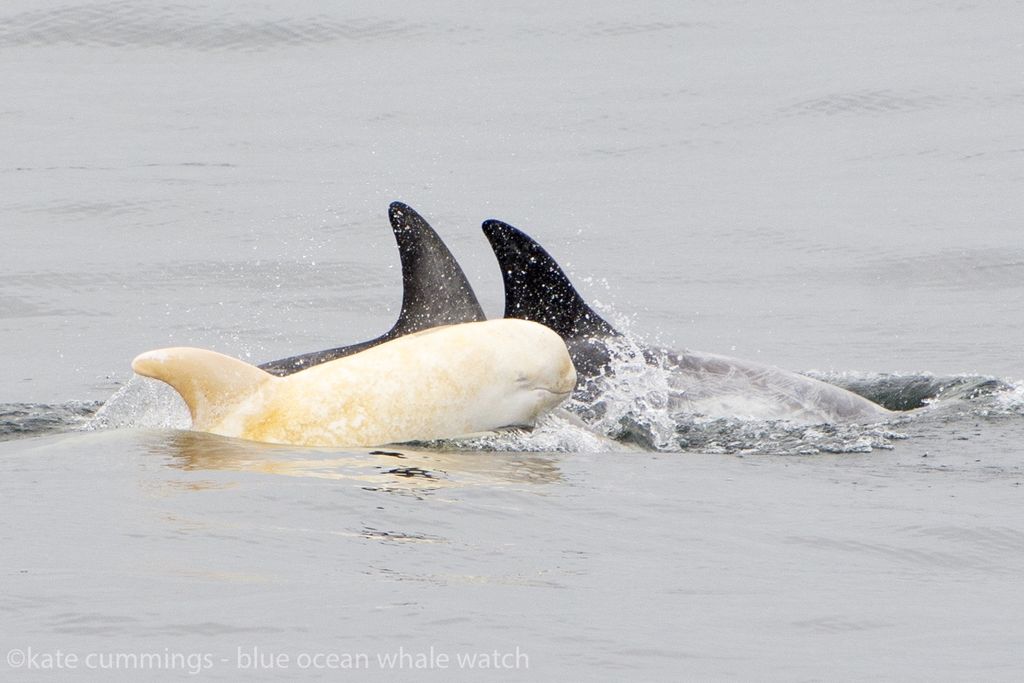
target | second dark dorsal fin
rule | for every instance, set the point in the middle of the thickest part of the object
(435, 291)
(537, 289)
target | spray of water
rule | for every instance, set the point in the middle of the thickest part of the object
(143, 403)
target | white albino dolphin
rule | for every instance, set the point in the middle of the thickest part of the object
(444, 382)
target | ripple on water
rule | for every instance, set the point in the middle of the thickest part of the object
(33, 419)
(142, 25)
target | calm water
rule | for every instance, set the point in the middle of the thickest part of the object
(832, 189)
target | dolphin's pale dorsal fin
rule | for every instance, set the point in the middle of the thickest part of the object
(210, 383)
(435, 291)
(537, 289)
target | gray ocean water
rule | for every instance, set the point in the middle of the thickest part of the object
(833, 188)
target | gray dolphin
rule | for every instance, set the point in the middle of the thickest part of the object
(435, 291)
(536, 288)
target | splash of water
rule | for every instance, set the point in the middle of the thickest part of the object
(145, 403)
(633, 402)
(557, 432)
(903, 392)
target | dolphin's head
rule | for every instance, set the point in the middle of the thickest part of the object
(532, 371)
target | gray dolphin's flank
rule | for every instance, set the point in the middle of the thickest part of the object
(537, 289)
(435, 291)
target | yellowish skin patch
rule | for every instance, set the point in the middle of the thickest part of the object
(440, 383)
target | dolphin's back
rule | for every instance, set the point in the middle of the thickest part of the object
(536, 288)
(711, 384)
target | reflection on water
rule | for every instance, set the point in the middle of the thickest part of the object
(393, 469)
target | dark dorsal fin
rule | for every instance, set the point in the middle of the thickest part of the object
(435, 291)
(537, 289)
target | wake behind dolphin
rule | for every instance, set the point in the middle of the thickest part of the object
(536, 288)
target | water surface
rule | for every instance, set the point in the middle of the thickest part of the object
(833, 190)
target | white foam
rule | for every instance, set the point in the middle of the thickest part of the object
(142, 402)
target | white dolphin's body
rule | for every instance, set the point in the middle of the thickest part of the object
(440, 383)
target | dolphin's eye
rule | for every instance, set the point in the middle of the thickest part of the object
(522, 378)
